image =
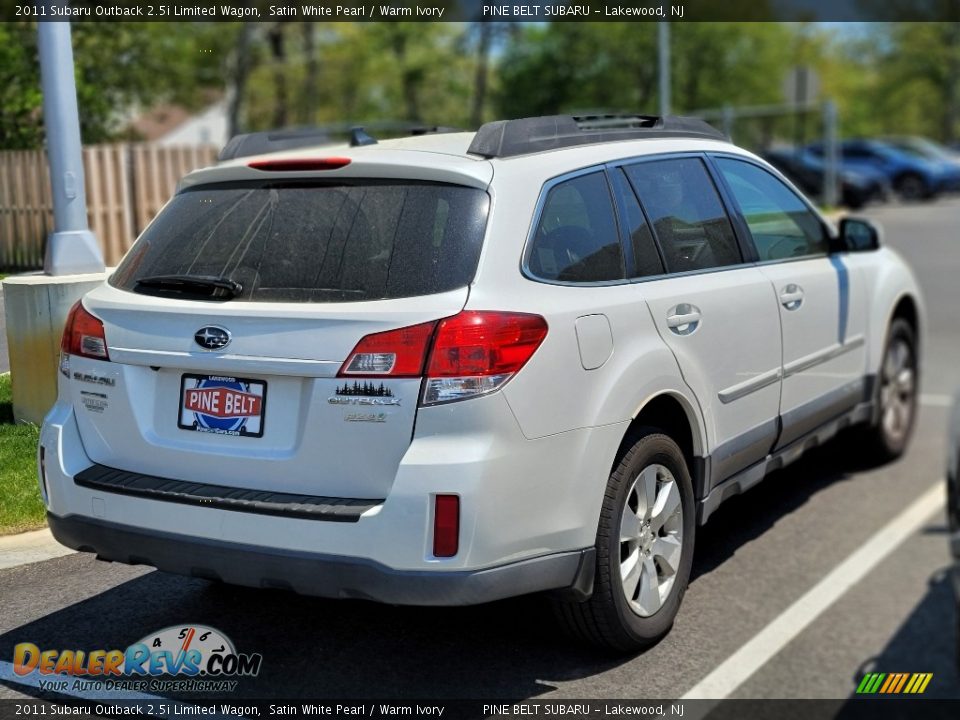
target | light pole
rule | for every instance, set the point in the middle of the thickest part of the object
(71, 247)
(663, 66)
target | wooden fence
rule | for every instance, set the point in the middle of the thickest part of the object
(126, 185)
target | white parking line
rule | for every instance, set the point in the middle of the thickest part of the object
(737, 668)
(936, 400)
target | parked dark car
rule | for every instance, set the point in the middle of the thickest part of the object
(912, 177)
(807, 171)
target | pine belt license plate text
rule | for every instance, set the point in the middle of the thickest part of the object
(222, 405)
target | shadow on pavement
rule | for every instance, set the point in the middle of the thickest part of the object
(327, 648)
(746, 517)
(926, 642)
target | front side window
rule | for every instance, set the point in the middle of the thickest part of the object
(780, 222)
(576, 239)
(686, 213)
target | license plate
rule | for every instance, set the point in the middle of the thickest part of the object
(222, 405)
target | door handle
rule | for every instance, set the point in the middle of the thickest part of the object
(683, 319)
(791, 297)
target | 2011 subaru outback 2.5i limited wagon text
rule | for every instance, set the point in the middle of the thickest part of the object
(458, 367)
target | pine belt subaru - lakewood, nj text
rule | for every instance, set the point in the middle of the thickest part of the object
(458, 367)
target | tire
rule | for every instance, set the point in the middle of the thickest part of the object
(895, 397)
(608, 619)
(911, 186)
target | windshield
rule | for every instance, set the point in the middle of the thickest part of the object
(313, 242)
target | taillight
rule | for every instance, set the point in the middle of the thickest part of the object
(446, 525)
(394, 353)
(472, 353)
(83, 335)
(476, 352)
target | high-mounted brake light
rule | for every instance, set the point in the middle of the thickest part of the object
(469, 354)
(394, 353)
(300, 165)
(83, 335)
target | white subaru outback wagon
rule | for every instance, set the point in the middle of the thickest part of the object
(458, 367)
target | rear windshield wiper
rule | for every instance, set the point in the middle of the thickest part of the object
(209, 286)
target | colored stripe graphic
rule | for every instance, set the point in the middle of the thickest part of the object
(894, 683)
(903, 681)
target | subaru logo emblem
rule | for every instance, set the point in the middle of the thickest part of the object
(212, 337)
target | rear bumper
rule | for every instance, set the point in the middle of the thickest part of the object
(315, 573)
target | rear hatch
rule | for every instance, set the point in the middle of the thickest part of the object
(229, 322)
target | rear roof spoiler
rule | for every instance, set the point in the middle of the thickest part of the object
(270, 141)
(509, 138)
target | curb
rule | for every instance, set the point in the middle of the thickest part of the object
(30, 547)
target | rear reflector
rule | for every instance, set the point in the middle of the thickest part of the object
(395, 353)
(300, 165)
(43, 471)
(83, 335)
(446, 525)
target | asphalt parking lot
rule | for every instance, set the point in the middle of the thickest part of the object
(758, 555)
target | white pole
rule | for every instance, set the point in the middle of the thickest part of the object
(71, 247)
(663, 62)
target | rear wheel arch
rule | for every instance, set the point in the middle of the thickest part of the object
(906, 309)
(674, 416)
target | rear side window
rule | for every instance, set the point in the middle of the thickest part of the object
(576, 239)
(686, 213)
(781, 224)
(289, 242)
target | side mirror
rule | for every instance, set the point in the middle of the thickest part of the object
(858, 235)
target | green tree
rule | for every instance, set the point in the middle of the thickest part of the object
(119, 66)
(581, 66)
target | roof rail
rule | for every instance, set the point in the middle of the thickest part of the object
(509, 138)
(270, 141)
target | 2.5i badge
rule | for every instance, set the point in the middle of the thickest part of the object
(222, 405)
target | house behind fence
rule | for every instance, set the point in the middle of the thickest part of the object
(126, 183)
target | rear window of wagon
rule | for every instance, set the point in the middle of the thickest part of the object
(316, 241)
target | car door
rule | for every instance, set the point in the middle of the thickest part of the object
(716, 313)
(821, 299)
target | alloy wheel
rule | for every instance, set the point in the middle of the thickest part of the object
(651, 539)
(897, 388)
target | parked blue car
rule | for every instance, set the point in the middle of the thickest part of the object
(930, 151)
(912, 177)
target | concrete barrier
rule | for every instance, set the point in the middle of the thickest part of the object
(36, 310)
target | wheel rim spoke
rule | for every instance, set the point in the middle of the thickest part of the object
(630, 570)
(667, 549)
(649, 597)
(630, 525)
(668, 502)
(646, 489)
(905, 382)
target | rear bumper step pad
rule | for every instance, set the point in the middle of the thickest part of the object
(310, 507)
